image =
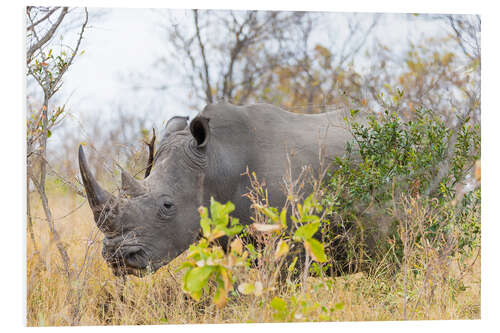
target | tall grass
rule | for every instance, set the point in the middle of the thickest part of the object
(429, 286)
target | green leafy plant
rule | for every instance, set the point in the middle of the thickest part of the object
(207, 261)
(393, 158)
(306, 223)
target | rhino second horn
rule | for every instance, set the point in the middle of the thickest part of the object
(96, 195)
(130, 185)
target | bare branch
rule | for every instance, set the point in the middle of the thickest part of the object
(47, 36)
(33, 25)
(75, 51)
(208, 87)
(470, 43)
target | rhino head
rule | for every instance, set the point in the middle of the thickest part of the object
(153, 220)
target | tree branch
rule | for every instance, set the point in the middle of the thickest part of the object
(33, 25)
(47, 36)
(70, 61)
(208, 87)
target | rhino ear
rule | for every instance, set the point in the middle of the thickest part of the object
(200, 130)
(175, 124)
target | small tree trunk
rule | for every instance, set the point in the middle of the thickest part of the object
(43, 195)
(29, 221)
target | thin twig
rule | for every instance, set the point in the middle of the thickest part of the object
(33, 25)
(47, 36)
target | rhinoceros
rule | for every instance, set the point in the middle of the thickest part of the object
(157, 218)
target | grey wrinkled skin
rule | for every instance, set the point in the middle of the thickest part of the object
(158, 218)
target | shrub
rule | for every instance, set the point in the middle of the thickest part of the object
(394, 159)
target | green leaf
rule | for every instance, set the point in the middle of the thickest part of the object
(306, 231)
(196, 295)
(246, 288)
(278, 304)
(185, 264)
(219, 212)
(308, 203)
(205, 221)
(299, 209)
(310, 218)
(234, 221)
(283, 218)
(271, 212)
(234, 230)
(339, 306)
(292, 265)
(315, 249)
(197, 278)
(281, 249)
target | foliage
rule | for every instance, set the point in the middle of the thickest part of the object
(306, 223)
(206, 260)
(420, 158)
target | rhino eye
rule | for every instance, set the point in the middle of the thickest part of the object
(166, 210)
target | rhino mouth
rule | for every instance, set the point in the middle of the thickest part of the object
(131, 260)
(124, 270)
(119, 269)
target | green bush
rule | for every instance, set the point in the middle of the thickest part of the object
(392, 159)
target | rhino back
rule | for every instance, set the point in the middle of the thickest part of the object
(267, 140)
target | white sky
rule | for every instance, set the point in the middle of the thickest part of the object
(119, 42)
(124, 41)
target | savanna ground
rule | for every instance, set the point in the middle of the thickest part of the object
(452, 289)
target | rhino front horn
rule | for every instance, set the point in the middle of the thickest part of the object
(130, 185)
(98, 197)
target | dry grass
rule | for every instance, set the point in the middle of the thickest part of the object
(446, 291)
